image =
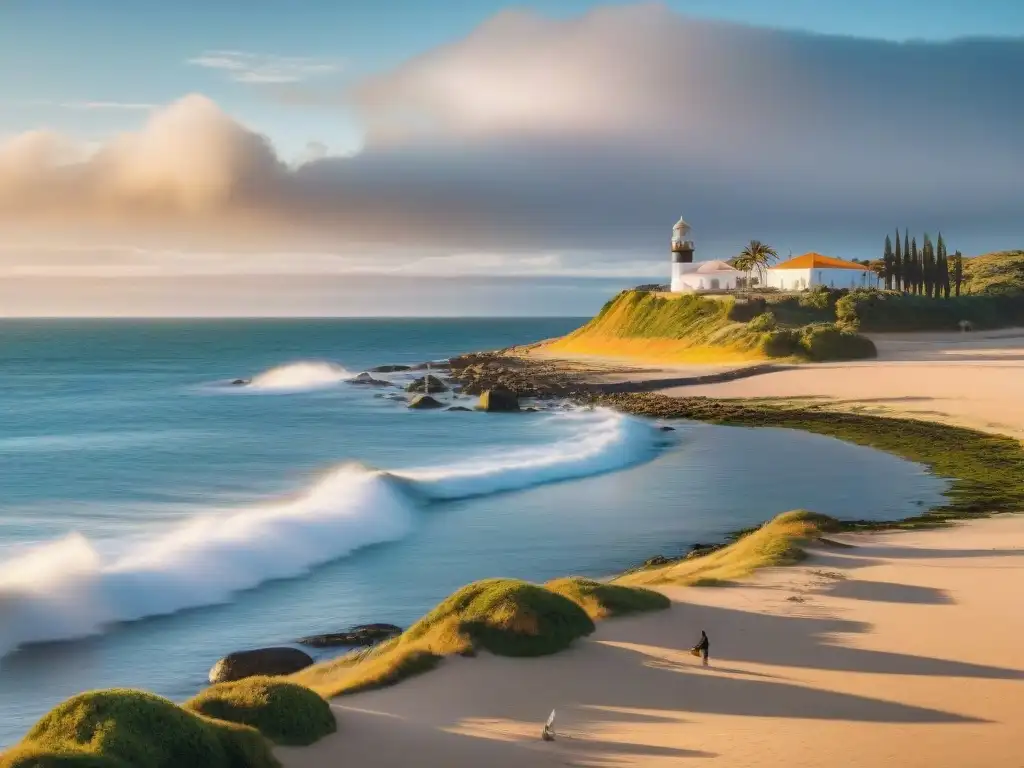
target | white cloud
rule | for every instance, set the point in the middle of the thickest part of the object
(265, 69)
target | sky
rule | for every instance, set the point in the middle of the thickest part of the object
(154, 154)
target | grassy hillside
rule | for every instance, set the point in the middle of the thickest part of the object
(1000, 272)
(683, 328)
(691, 328)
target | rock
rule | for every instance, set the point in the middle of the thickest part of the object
(498, 400)
(420, 385)
(239, 382)
(531, 409)
(657, 560)
(436, 365)
(262, 661)
(390, 368)
(459, 408)
(424, 402)
(361, 635)
(667, 429)
(366, 379)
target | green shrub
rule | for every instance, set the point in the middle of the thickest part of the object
(602, 600)
(784, 342)
(818, 298)
(743, 311)
(763, 322)
(121, 728)
(882, 311)
(824, 341)
(507, 617)
(286, 713)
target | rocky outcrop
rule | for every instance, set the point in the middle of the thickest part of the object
(239, 382)
(262, 661)
(498, 400)
(421, 385)
(366, 380)
(459, 408)
(391, 368)
(362, 635)
(425, 402)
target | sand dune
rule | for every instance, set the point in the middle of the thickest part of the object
(901, 651)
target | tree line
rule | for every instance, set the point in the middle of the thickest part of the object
(926, 271)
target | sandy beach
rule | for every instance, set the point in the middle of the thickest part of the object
(900, 650)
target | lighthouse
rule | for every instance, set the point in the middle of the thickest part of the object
(690, 277)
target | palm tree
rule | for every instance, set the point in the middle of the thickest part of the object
(756, 255)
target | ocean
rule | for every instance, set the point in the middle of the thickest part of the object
(154, 518)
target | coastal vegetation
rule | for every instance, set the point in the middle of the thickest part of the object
(778, 542)
(505, 617)
(693, 327)
(284, 712)
(119, 728)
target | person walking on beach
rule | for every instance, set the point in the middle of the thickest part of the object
(702, 647)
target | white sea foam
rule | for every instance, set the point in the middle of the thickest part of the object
(299, 377)
(70, 588)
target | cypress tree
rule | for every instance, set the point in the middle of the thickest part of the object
(897, 265)
(958, 270)
(928, 265)
(915, 266)
(940, 247)
(887, 260)
(908, 264)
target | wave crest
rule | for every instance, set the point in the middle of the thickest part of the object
(67, 588)
(299, 377)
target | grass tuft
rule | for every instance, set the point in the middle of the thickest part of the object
(284, 712)
(120, 728)
(603, 600)
(778, 542)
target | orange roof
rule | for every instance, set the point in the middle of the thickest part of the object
(817, 261)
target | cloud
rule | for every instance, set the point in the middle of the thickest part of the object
(262, 69)
(586, 137)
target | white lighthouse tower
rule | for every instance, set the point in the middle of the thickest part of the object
(693, 277)
(682, 254)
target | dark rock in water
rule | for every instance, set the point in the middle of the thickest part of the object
(367, 380)
(239, 382)
(362, 635)
(390, 368)
(438, 365)
(420, 385)
(424, 402)
(531, 409)
(459, 408)
(667, 429)
(262, 661)
(498, 400)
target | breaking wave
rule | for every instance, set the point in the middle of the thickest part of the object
(68, 589)
(299, 377)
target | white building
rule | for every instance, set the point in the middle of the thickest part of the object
(812, 270)
(689, 276)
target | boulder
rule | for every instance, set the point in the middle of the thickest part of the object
(436, 365)
(367, 380)
(424, 402)
(420, 385)
(239, 382)
(390, 368)
(361, 635)
(262, 661)
(458, 408)
(498, 400)
(667, 429)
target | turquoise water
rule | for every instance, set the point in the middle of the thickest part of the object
(154, 518)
